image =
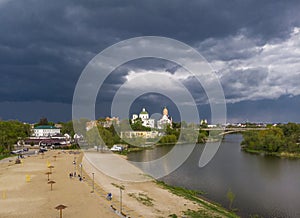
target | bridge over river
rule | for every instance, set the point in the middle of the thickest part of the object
(229, 130)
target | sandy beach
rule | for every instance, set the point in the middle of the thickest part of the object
(163, 202)
(21, 198)
(34, 198)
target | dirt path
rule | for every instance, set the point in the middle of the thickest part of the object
(144, 198)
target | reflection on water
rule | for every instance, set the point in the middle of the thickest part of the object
(267, 186)
(149, 154)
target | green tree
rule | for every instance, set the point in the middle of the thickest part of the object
(11, 132)
(80, 126)
(93, 139)
(202, 136)
(67, 128)
(168, 139)
(106, 136)
(284, 137)
(230, 196)
(137, 125)
(43, 121)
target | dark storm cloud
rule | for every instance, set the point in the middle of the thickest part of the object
(45, 45)
(229, 48)
(270, 110)
(243, 83)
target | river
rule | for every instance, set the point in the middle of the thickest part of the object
(263, 185)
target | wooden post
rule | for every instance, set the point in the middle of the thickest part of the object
(60, 208)
(51, 167)
(51, 183)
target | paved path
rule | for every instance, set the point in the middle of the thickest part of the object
(116, 167)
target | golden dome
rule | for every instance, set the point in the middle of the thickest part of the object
(165, 111)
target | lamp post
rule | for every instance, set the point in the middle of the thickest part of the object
(74, 162)
(93, 182)
(120, 199)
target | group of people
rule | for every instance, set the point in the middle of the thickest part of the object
(71, 175)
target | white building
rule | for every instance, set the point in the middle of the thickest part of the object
(165, 120)
(139, 134)
(110, 121)
(90, 125)
(144, 116)
(45, 131)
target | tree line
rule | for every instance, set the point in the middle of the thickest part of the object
(280, 138)
(10, 133)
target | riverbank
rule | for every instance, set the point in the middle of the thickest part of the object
(195, 197)
(142, 194)
(263, 186)
(275, 154)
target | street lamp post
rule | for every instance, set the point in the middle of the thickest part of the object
(74, 162)
(81, 170)
(120, 199)
(93, 182)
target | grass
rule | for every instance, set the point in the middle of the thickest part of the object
(2, 156)
(142, 198)
(128, 150)
(198, 214)
(194, 196)
(118, 186)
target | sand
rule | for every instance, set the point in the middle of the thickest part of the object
(19, 198)
(34, 198)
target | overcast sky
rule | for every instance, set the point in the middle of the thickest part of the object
(253, 46)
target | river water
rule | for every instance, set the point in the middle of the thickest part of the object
(266, 186)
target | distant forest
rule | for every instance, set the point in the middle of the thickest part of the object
(275, 139)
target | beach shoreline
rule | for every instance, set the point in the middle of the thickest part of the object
(25, 190)
(163, 203)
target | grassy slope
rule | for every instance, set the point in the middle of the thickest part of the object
(194, 196)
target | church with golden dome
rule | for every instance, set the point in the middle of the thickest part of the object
(149, 122)
(165, 120)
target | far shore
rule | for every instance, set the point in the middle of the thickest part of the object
(275, 154)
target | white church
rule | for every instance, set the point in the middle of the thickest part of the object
(144, 116)
(165, 120)
(149, 122)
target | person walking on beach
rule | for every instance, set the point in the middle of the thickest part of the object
(109, 196)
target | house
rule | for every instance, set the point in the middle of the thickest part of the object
(45, 131)
(90, 125)
(58, 125)
(139, 134)
(109, 121)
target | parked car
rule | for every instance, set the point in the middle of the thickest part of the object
(117, 148)
(17, 152)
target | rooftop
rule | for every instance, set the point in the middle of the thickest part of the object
(144, 111)
(45, 127)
